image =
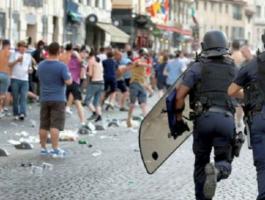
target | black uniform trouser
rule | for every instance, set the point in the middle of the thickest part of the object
(212, 130)
(258, 145)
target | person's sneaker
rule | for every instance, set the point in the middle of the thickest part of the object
(109, 106)
(2, 114)
(44, 152)
(92, 117)
(68, 111)
(98, 119)
(124, 109)
(22, 117)
(211, 181)
(56, 153)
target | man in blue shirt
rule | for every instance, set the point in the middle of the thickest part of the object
(110, 83)
(53, 76)
(173, 70)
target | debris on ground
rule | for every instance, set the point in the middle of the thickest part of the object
(24, 146)
(138, 118)
(22, 134)
(68, 135)
(47, 166)
(83, 130)
(36, 170)
(82, 142)
(26, 164)
(99, 127)
(33, 123)
(4, 153)
(96, 153)
(114, 123)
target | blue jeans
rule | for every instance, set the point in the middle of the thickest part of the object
(257, 133)
(19, 92)
(94, 90)
(4, 82)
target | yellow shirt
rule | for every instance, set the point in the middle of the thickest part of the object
(4, 58)
(138, 74)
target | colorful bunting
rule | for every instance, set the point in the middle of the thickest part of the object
(155, 7)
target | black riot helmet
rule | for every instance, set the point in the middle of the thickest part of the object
(215, 44)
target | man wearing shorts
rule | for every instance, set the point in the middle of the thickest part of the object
(137, 86)
(123, 63)
(73, 60)
(53, 75)
(110, 83)
(5, 71)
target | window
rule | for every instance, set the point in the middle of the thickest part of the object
(258, 11)
(226, 8)
(221, 28)
(104, 4)
(237, 12)
(197, 5)
(88, 2)
(212, 6)
(2, 22)
(220, 7)
(205, 5)
(44, 26)
(97, 3)
(238, 33)
(227, 31)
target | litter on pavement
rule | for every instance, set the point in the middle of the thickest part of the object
(68, 135)
(97, 153)
(4, 153)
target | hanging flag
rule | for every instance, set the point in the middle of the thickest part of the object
(166, 9)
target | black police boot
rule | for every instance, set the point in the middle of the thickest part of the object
(211, 181)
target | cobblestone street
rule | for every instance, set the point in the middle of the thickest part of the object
(117, 173)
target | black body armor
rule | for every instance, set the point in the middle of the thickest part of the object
(211, 91)
(254, 92)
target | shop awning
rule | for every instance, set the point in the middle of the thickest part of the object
(174, 29)
(117, 35)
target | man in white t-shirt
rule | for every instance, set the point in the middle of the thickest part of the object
(102, 54)
(21, 64)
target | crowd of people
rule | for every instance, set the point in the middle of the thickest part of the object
(104, 79)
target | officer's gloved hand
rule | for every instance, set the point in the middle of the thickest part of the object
(180, 128)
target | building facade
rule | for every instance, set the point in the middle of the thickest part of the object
(34, 19)
(89, 22)
(131, 17)
(259, 24)
(234, 17)
(173, 28)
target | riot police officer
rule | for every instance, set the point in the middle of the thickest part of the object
(206, 82)
(251, 78)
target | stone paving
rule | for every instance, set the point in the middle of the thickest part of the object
(118, 173)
